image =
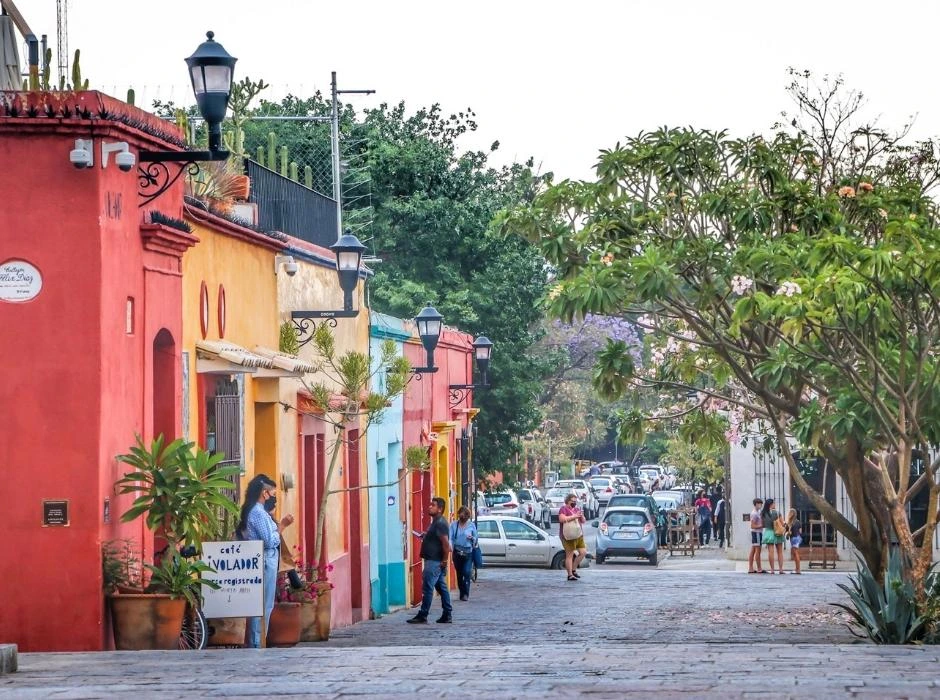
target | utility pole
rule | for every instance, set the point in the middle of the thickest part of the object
(334, 138)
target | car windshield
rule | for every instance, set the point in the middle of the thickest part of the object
(627, 501)
(494, 499)
(600, 482)
(557, 493)
(570, 484)
(667, 503)
(524, 496)
(625, 519)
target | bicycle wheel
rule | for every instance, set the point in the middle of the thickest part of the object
(194, 633)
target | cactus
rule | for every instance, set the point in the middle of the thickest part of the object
(44, 83)
(308, 177)
(130, 96)
(284, 161)
(77, 82)
(272, 151)
(293, 171)
(260, 155)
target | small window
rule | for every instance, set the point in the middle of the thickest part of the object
(129, 316)
(524, 496)
(487, 530)
(519, 531)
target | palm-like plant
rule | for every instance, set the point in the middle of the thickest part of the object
(181, 489)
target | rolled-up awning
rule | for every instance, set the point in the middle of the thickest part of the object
(223, 357)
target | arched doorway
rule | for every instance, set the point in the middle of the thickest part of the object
(164, 385)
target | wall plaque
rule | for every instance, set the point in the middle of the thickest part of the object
(55, 513)
(19, 281)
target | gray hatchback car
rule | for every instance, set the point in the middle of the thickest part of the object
(626, 532)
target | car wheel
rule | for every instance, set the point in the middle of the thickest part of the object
(559, 561)
(600, 559)
(654, 560)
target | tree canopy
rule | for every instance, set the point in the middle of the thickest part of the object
(790, 287)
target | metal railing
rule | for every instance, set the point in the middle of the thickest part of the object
(289, 207)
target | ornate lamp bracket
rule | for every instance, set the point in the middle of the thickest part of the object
(305, 322)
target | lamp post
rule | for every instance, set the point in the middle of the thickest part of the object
(348, 250)
(482, 353)
(429, 323)
(211, 70)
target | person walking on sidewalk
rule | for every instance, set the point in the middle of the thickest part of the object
(435, 548)
(703, 508)
(757, 530)
(463, 538)
(721, 517)
(575, 548)
(773, 534)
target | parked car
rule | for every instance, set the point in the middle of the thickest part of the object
(666, 500)
(624, 483)
(604, 487)
(511, 541)
(503, 503)
(681, 497)
(555, 499)
(626, 532)
(586, 496)
(535, 509)
(635, 500)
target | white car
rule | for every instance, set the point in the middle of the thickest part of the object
(604, 487)
(586, 496)
(554, 500)
(500, 503)
(509, 541)
(535, 509)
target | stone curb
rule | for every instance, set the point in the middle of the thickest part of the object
(7, 658)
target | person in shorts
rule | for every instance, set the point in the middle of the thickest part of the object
(575, 550)
(795, 532)
(757, 532)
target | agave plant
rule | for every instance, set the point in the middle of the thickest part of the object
(887, 613)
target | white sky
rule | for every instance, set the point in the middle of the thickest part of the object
(554, 80)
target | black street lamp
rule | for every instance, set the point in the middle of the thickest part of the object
(210, 69)
(348, 252)
(429, 323)
(482, 352)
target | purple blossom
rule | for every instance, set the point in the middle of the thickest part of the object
(584, 339)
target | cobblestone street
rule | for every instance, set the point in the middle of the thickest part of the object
(622, 630)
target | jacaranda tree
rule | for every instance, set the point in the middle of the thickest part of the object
(790, 286)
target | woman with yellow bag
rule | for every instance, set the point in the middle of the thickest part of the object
(774, 530)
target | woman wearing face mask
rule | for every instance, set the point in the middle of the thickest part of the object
(257, 524)
(463, 538)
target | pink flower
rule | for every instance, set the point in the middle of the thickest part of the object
(847, 192)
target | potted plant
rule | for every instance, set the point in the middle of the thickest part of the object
(314, 597)
(180, 491)
(284, 625)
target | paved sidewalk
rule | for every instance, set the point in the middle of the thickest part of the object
(627, 631)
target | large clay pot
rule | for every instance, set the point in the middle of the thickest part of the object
(146, 621)
(227, 631)
(284, 628)
(323, 613)
(308, 622)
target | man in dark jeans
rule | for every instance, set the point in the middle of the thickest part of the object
(435, 548)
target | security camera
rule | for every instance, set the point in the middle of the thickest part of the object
(290, 265)
(123, 157)
(125, 160)
(81, 156)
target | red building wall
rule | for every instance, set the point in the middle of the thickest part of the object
(74, 385)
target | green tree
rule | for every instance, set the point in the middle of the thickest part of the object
(790, 284)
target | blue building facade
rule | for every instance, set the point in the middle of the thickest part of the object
(386, 524)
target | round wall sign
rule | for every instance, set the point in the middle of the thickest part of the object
(19, 281)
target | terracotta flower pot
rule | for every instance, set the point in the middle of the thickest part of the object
(323, 613)
(146, 621)
(284, 628)
(227, 631)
